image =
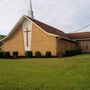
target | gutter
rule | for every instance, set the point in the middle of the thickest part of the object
(61, 37)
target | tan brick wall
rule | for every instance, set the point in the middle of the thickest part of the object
(15, 42)
(85, 46)
(42, 42)
(64, 45)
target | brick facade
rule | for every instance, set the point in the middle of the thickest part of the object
(64, 45)
(42, 42)
(85, 46)
(15, 42)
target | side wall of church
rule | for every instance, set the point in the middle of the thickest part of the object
(42, 42)
(64, 45)
(85, 46)
(15, 42)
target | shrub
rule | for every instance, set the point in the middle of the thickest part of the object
(28, 54)
(73, 52)
(48, 54)
(1, 54)
(6, 54)
(15, 54)
(37, 54)
(67, 53)
(79, 51)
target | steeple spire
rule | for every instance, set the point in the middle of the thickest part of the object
(30, 11)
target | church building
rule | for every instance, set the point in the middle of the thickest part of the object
(30, 34)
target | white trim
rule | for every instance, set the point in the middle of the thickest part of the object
(14, 28)
(27, 24)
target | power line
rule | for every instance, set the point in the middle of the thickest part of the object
(81, 28)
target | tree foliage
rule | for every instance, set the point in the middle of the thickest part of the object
(2, 36)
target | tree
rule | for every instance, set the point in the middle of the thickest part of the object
(2, 36)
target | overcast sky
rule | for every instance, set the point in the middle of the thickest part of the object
(66, 15)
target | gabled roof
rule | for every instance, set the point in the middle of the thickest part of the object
(80, 35)
(48, 28)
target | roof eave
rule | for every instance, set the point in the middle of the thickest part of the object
(14, 28)
(82, 39)
(41, 27)
(61, 37)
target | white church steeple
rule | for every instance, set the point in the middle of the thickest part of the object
(30, 11)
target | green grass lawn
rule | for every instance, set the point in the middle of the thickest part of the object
(70, 73)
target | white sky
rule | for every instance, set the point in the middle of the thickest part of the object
(66, 15)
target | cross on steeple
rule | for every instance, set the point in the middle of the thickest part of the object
(27, 32)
